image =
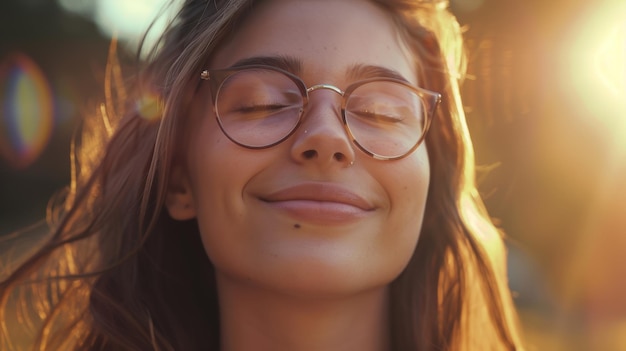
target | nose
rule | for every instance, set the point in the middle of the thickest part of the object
(322, 138)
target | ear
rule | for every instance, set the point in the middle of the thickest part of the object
(179, 200)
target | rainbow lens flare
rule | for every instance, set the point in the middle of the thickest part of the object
(26, 111)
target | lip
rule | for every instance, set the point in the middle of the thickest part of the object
(319, 202)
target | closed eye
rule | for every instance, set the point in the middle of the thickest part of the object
(261, 108)
(379, 117)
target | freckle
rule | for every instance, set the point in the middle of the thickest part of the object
(297, 225)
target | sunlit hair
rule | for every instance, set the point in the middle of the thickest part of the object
(117, 273)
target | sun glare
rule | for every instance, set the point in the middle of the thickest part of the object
(596, 54)
(610, 60)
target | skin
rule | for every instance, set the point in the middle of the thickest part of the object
(304, 274)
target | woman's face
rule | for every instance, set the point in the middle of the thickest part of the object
(313, 215)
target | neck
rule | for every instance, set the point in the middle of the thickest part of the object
(255, 319)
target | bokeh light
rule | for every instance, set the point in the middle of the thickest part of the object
(150, 106)
(127, 20)
(27, 106)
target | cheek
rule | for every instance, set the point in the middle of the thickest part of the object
(220, 175)
(212, 160)
(217, 173)
(406, 183)
(409, 197)
(409, 188)
(217, 184)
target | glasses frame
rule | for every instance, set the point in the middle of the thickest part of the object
(217, 77)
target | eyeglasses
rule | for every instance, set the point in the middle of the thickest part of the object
(261, 106)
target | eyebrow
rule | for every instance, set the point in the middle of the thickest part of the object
(362, 71)
(287, 63)
(294, 65)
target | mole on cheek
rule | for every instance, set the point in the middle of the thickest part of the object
(297, 225)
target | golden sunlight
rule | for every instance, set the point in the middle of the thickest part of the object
(610, 60)
(596, 57)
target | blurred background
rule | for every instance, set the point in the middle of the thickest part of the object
(545, 100)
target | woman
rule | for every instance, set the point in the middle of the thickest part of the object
(290, 196)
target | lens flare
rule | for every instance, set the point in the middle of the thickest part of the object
(150, 106)
(27, 111)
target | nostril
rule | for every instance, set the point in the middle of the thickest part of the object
(309, 154)
(339, 156)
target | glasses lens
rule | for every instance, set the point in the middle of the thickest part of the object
(258, 107)
(385, 118)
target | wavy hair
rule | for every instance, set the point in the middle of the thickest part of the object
(112, 276)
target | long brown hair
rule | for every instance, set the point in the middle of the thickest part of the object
(113, 275)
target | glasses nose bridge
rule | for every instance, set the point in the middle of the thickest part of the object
(330, 87)
(326, 86)
(337, 109)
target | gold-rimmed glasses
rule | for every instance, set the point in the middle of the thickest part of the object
(261, 106)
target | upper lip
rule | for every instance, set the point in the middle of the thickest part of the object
(323, 192)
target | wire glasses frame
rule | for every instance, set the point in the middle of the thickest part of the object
(280, 109)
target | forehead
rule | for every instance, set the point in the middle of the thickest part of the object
(326, 36)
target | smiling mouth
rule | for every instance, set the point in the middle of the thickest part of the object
(320, 203)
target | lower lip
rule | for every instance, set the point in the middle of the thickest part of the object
(320, 212)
